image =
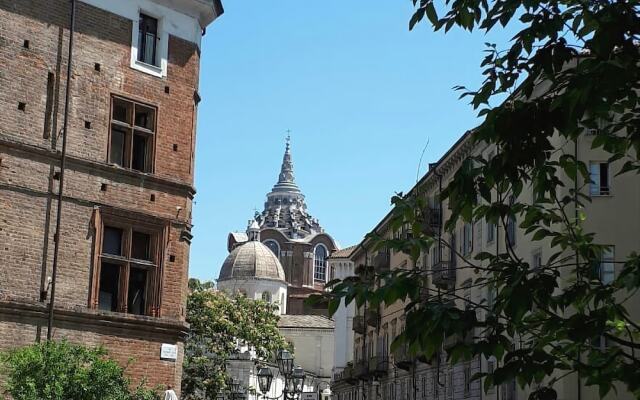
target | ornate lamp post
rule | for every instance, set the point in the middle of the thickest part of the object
(235, 390)
(293, 377)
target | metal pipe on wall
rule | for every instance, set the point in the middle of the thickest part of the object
(63, 159)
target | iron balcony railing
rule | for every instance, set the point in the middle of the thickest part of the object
(443, 273)
(361, 369)
(379, 365)
(401, 357)
(373, 317)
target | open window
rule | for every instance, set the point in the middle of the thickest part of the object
(127, 268)
(148, 40)
(132, 135)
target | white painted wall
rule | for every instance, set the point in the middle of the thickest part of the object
(253, 289)
(343, 318)
(313, 349)
(170, 22)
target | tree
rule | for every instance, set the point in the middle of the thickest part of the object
(65, 371)
(572, 67)
(218, 324)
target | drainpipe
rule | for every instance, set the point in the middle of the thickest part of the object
(63, 159)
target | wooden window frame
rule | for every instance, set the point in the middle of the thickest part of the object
(130, 131)
(155, 268)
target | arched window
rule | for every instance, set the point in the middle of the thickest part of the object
(266, 296)
(273, 246)
(320, 263)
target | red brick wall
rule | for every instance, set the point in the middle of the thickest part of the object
(28, 161)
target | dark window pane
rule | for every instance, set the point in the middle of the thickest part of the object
(136, 295)
(147, 38)
(145, 117)
(273, 246)
(112, 241)
(117, 147)
(108, 289)
(604, 178)
(122, 110)
(138, 162)
(140, 246)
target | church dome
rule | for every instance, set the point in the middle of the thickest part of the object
(252, 260)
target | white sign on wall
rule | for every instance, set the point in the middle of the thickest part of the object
(309, 396)
(169, 352)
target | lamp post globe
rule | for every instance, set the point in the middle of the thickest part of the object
(265, 377)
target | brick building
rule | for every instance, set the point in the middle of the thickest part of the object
(128, 182)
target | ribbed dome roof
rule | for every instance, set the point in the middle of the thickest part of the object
(252, 260)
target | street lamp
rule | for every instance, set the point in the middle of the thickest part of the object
(293, 377)
(234, 389)
(265, 377)
(298, 379)
(285, 362)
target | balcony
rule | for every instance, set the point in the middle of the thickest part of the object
(379, 365)
(348, 374)
(358, 324)
(382, 261)
(373, 318)
(432, 221)
(402, 359)
(444, 273)
(361, 369)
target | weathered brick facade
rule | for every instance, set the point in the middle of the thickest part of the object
(32, 88)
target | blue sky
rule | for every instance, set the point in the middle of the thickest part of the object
(360, 93)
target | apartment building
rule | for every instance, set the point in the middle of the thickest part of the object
(341, 266)
(125, 221)
(376, 373)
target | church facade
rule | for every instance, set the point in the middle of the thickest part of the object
(294, 237)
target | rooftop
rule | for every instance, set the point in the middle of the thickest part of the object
(305, 321)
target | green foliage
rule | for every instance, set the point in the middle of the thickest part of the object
(65, 371)
(572, 67)
(219, 323)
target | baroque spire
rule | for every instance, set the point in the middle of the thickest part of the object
(286, 179)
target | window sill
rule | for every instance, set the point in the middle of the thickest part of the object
(148, 68)
(601, 195)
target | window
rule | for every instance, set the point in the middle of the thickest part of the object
(599, 172)
(491, 231)
(148, 40)
(131, 140)
(266, 296)
(605, 268)
(449, 387)
(491, 297)
(320, 263)
(273, 246)
(467, 379)
(466, 294)
(511, 225)
(452, 250)
(491, 367)
(126, 275)
(467, 238)
(536, 261)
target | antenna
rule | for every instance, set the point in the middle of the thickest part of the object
(420, 162)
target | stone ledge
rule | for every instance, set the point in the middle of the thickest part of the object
(94, 320)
